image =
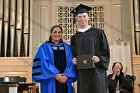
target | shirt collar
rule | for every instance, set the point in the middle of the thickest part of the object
(84, 29)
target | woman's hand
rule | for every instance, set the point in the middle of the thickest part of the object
(125, 70)
(113, 77)
(58, 77)
(61, 78)
(65, 79)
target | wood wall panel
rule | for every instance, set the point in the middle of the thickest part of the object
(16, 67)
(136, 72)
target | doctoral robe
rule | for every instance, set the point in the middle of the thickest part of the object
(93, 42)
(125, 84)
(45, 67)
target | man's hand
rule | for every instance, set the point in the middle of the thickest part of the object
(95, 59)
(74, 61)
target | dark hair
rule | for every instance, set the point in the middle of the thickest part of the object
(50, 38)
(116, 63)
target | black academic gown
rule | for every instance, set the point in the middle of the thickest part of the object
(125, 83)
(93, 42)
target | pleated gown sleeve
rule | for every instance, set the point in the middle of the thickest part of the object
(70, 70)
(43, 67)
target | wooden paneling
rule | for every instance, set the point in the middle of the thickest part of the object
(136, 72)
(41, 23)
(16, 67)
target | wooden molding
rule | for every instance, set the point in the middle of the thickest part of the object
(16, 66)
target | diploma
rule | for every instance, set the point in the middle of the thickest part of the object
(85, 62)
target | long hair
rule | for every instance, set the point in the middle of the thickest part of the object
(50, 38)
(120, 64)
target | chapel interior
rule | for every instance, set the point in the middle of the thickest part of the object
(25, 25)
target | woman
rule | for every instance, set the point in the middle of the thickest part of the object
(53, 66)
(119, 82)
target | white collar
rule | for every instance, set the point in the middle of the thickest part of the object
(84, 29)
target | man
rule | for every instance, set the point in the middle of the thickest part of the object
(90, 41)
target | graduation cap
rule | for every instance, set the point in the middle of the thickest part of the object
(80, 9)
